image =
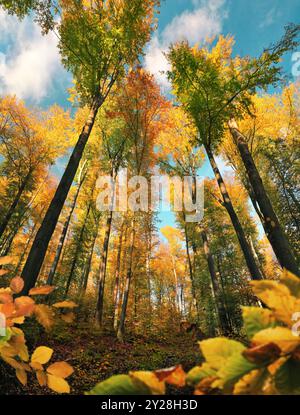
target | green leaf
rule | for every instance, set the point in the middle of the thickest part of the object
(287, 378)
(256, 319)
(216, 351)
(120, 385)
(233, 369)
(198, 373)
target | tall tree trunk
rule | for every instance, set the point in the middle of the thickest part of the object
(117, 290)
(224, 324)
(78, 246)
(11, 210)
(103, 268)
(274, 232)
(62, 238)
(250, 261)
(29, 239)
(191, 270)
(39, 247)
(87, 268)
(121, 328)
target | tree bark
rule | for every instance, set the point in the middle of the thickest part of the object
(121, 328)
(39, 247)
(103, 268)
(117, 291)
(14, 204)
(78, 246)
(224, 324)
(274, 232)
(62, 239)
(191, 270)
(250, 261)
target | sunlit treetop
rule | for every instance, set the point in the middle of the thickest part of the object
(100, 39)
(213, 86)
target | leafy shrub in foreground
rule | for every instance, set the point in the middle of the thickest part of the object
(13, 349)
(269, 365)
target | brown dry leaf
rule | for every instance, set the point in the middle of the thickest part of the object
(3, 272)
(262, 354)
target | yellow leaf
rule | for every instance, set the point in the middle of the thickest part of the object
(41, 377)
(291, 281)
(3, 272)
(18, 320)
(60, 369)
(58, 384)
(4, 260)
(12, 362)
(150, 380)
(36, 366)
(65, 304)
(22, 376)
(68, 318)
(44, 315)
(44, 290)
(252, 383)
(42, 355)
(281, 336)
(217, 350)
(17, 284)
(277, 297)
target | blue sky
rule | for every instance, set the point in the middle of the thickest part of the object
(30, 64)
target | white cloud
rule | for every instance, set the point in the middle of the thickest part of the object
(196, 25)
(29, 62)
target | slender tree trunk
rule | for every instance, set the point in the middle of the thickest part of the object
(274, 232)
(177, 294)
(78, 246)
(117, 291)
(191, 270)
(29, 239)
(62, 239)
(103, 268)
(87, 268)
(11, 210)
(121, 328)
(224, 324)
(250, 261)
(39, 247)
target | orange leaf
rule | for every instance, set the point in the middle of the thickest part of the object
(60, 369)
(17, 284)
(24, 306)
(174, 375)
(44, 290)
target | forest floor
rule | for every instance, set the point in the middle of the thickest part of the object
(95, 356)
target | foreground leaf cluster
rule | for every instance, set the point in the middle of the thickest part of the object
(269, 362)
(14, 309)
